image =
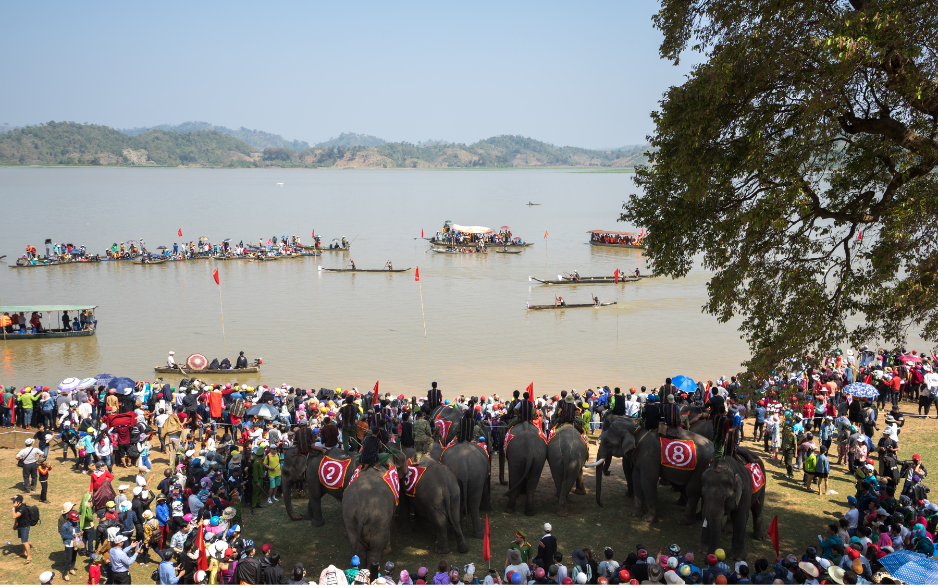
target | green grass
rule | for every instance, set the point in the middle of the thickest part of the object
(802, 516)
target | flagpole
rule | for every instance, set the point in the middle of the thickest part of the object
(4, 327)
(422, 313)
(221, 307)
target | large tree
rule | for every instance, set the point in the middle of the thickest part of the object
(797, 163)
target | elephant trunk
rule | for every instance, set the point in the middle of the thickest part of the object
(713, 518)
(288, 502)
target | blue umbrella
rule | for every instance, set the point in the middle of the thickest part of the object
(911, 567)
(684, 384)
(104, 379)
(120, 383)
(861, 390)
(264, 411)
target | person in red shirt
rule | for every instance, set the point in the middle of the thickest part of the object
(100, 476)
(94, 572)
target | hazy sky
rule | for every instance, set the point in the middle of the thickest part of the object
(572, 73)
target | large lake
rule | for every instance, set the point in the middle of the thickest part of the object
(341, 330)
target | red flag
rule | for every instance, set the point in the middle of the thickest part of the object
(530, 388)
(376, 387)
(314, 233)
(200, 543)
(417, 274)
(773, 533)
(12, 406)
(421, 233)
(180, 232)
(486, 550)
(616, 274)
(215, 275)
(545, 234)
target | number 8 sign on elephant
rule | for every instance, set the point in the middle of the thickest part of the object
(679, 454)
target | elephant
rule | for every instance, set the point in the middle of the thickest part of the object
(470, 464)
(525, 454)
(305, 468)
(641, 453)
(437, 500)
(566, 455)
(368, 514)
(727, 490)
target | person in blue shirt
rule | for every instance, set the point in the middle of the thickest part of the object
(169, 575)
(759, 428)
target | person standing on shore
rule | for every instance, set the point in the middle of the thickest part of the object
(29, 457)
(21, 525)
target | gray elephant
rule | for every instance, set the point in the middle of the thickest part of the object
(566, 454)
(470, 464)
(305, 469)
(435, 499)
(641, 452)
(525, 453)
(368, 512)
(727, 491)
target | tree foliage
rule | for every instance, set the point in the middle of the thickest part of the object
(798, 161)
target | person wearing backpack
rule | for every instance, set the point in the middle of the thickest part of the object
(28, 459)
(22, 521)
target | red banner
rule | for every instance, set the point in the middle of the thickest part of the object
(394, 483)
(443, 427)
(417, 274)
(332, 472)
(414, 473)
(215, 275)
(508, 438)
(180, 232)
(758, 476)
(678, 454)
(354, 475)
(484, 448)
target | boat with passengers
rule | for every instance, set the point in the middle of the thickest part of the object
(48, 321)
(462, 236)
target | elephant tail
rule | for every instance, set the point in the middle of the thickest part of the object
(528, 464)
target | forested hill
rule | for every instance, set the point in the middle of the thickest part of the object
(258, 139)
(67, 143)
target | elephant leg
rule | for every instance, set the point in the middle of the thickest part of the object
(692, 494)
(639, 496)
(314, 506)
(650, 489)
(437, 520)
(487, 494)
(580, 488)
(627, 473)
(758, 531)
(740, 518)
(475, 499)
(530, 488)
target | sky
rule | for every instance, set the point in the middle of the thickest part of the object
(585, 74)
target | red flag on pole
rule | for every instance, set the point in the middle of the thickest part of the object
(215, 275)
(180, 232)
(376, 387)
(486, 549)
(616, 274)
(200, 543)
(314, 233)
(417, 274)
(860, 236)
(421, 233)
(773, 533)
(545, 234)
(530, 388)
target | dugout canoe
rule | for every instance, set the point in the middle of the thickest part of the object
(369, 271)
(561, 281)
(552, 307)
(168, 370)
(508, 252)
(150, 261)
(49, 263)
(459, 252)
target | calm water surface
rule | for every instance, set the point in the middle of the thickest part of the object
(342, 330)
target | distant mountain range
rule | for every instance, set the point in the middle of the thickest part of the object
(205, 145)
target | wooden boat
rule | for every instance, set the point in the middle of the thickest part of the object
(595, 242)
(552, 307)
(279, 257)
(438, 243)
(151, 261)
(533, 204)
(118, 258)
(483, 252)
(334, 249)
(566, 281)
(368, 271)
(168, 370)
(51, 311)
(509, 252)
(47, 263)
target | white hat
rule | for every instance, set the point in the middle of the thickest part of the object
(137, 490)
(67, 507)
(148, 514)
(547, 527)
(120, 539)
(190, 453)
(128, 391)
(29, 441)
(46, 577)
(199, 576)
(123, 487)
(172, 353)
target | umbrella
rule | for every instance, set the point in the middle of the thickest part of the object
(861, 390)
(504, 227)
(86, 383)
(911, 567)
(120, 384)
(104, 379)
(912, 358)
(265, 411)
(69, 384)
(684, 384)
(132, 242)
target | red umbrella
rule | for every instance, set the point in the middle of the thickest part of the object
(197, 361)
(504, 227)
(904, 358)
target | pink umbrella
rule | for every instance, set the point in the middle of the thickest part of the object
(904, 358)
(504, 227)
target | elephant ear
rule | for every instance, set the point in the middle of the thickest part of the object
(628, 444)
(737, 488)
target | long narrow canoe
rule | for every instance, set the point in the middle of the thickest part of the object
(552, 307)
(150, 261)
(460, 252)
(49, 263)
(168, 370)
(118, 258)
(508, 252)
(370, 271)
(489, 245)
(279, 257)
(585, 280)
(619, 245)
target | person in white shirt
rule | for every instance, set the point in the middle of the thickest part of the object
(171, 361)
(631, 406)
